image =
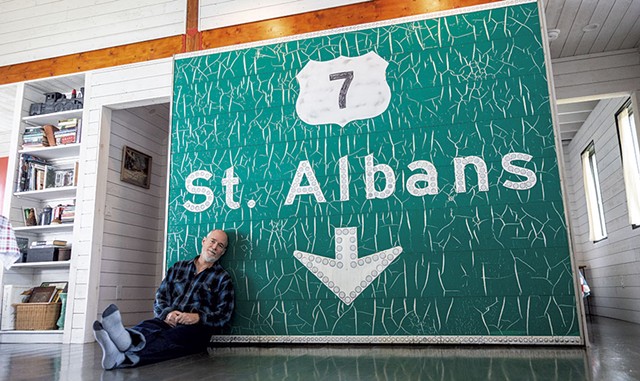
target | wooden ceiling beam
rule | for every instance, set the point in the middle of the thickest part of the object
(194, 40)
(372, 11)
(95, 59)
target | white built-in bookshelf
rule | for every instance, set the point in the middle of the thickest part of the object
(62, 160)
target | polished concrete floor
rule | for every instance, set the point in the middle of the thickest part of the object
(614, 355)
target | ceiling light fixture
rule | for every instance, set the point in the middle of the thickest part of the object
(553, 34)
(591, 27)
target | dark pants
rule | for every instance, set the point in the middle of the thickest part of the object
(164, 342)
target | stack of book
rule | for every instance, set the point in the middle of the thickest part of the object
(31, 173)
(35, 173)
(50, 243)
(39, 136)
(68, 214)
(68, 131)
(33, 137)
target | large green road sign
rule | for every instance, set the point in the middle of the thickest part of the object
(388, 183)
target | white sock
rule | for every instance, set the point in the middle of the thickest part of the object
(111, 356)
(112, 323)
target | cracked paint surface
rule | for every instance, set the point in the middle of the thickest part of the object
(468, 95)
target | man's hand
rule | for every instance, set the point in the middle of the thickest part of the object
(172, 318)
(187, 318)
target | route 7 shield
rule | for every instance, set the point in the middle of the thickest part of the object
(343, 89)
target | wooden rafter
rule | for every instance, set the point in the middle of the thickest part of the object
(194, 40)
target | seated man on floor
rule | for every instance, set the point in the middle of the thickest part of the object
(194, 301)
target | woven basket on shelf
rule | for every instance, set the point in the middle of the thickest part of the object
(37, 316)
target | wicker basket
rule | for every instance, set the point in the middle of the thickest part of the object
(37, 316)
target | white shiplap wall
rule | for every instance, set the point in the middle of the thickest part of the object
(220, 13)
(132, 251)
(613, 265)
(107, 91)
(32, 30)
(7, 107)
(597, 76)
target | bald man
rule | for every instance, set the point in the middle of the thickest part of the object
(194, 301)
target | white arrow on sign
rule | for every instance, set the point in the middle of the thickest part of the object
(347, 275)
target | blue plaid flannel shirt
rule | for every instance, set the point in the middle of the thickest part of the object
(209, 293)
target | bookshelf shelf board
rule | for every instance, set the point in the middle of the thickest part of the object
(52, 118)
(65, 151)
(39, 229)
(32, 332)
(50, 264)
(40, 336)
(48, 194)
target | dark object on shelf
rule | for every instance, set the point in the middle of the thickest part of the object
(23, 244)
(55, 102)
(48, 254)
(41, 294)
(45, 216)
(64, 253)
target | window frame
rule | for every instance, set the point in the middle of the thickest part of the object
(593, 195)
(631, 176)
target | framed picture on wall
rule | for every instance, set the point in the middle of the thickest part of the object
(136, 167)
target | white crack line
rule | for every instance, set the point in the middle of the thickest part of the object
(347, 275)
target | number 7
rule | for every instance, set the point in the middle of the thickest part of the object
(348, 77)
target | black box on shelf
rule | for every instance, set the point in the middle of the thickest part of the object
(48, 254)
(42, 254)
(64, 254)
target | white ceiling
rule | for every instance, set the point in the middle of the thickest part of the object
(592, 26)
(587, 27)
(571, 116)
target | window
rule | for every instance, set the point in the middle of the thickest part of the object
(630, 154)
(595, 211)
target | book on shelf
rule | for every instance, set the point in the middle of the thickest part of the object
(33, 137)
(68, 137)
(60, 285)
(36, 176)
(66, 132)
(79, 131)
(26, 172)
(68, 214)
(50, 176)
(49, 131)
(29, 130)
(53, 242)
(56, 296)
(64, 177)
(68, 123)
(35, 173)
(69, 130)
(42, 294)
(30, 216)
(63, 214)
